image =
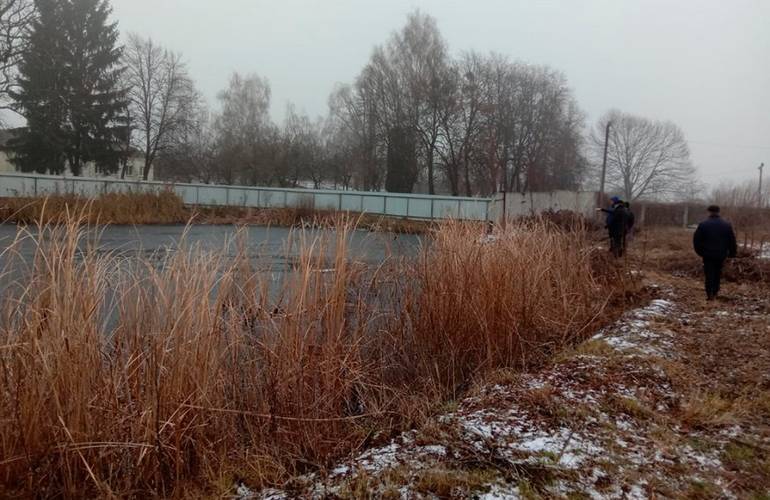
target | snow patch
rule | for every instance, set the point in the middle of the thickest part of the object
(633, 334)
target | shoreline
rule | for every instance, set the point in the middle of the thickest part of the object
(152, 209)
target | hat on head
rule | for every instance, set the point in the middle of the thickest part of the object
(614, 199)
(714, 209)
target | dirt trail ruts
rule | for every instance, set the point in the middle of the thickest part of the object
(671, 401)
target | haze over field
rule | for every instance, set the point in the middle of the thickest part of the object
(703, 64)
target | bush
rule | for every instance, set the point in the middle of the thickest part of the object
(163, 207)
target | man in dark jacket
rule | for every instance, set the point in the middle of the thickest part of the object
(714, 241)
(617, 225)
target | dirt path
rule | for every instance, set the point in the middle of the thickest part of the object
(673, 400)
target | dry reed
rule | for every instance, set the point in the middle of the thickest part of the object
(122, 376)
(163, 207)
(166, 207)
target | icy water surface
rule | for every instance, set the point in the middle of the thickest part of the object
(274, 248)
(273, 251)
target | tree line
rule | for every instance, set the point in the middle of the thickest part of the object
(416, 118)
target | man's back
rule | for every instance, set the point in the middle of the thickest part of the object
(618, 223)
(715, 239)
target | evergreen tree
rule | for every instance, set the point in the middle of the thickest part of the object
(69, 90)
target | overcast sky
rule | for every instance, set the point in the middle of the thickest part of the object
(705, 64)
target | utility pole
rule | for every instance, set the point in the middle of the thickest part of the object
(759, 190)
(604, 162)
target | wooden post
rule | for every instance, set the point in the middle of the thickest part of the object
(643, 215)
(686, 217)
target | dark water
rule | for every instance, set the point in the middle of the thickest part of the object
(273, 251)
(276, 248)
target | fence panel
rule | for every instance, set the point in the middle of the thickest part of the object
(324, 201)
(396, 207)
(16, 186)
(414, 206)
(373, 204)
(352, 202)
(474, 210)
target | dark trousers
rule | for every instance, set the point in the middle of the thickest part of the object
(617, 244)
(712, 268)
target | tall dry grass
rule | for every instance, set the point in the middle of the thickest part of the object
(166, 207)
(128, 377)
(163, 207)
(507, 302)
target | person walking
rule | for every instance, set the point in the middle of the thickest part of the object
(617, 225)
(714, 241)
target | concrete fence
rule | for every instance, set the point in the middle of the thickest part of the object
(690, 214)
(412, 206)
(512, 205)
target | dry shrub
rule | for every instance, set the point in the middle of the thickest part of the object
(703, 411)
(121, 376)
(567, 220)
(163, 207)
(744, 269)
(306, 217)
(504, 300)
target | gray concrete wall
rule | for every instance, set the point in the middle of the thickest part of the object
(512, 205)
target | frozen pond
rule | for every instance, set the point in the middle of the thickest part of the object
(269, 247)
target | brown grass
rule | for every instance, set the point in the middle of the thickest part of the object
(127, 377)
(305, 217)
(164, 207)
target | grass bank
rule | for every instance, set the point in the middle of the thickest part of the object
(166, 207)
(129, 377)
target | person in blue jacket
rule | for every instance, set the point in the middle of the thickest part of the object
(714, 241)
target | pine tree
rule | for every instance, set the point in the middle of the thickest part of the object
(40, 147)
(69, 90)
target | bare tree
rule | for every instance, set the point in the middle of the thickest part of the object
(462, 126)
(192, 154)
(162, 96)
(244, 131)
(356, 124)
(742, 194)
(646, 158)
(16, 17)
(512, 127)
(396, 106)
(418, 53)
(306, 148)
(483, 122)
